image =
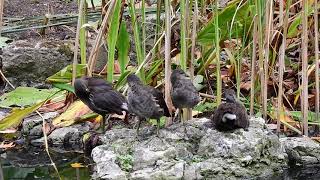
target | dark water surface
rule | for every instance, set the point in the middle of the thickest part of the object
(35, 164)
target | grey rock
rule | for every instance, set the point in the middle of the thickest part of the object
(106, 167)
(30, 125)
(28, 63)
(301, 150)
(198, 153)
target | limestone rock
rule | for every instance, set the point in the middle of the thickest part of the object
(199, 153)
(301, 150)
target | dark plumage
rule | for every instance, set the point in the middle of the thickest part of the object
(100, 97)
(230, 115)
(145, 101)
(183, 93)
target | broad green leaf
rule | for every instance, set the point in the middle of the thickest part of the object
(64, 86)
(65, 75)
(153, 69)
(16, 115)
(112, 39)
(122, 80)
(242, 20)
(294, 30)
(25, 96)
(123, 45)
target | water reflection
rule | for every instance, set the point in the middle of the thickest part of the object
(34, 164)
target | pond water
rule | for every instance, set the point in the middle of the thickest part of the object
(35, 164)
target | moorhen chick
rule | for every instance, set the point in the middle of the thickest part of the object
(230, 115)
(100, 97)
(183, 93)
(145, 101)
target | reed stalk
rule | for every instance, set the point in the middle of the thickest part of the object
(304, 58)
(137, 38)
(316, 51)
(253, 63)
(83, 41)
(76, 46)
(217, 46)
(167, 57)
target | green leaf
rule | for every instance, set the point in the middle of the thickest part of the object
(122, 80)
(65, 75)
(123, 45)
(64, 86)
(112, 39)
(25, 96)
(16, 116)
(153, 69)
(242, 20)
(205, 107)
(298, 116)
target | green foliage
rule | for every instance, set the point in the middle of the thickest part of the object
(112, 39)
(65, 75)
(125, 162)
(64, 86)
(122, 80)
(205, 107)
(298, 116)
(123, 46)
(153, 70)
(16, 116)
(241, 19)
(25, 96)
(162, 121)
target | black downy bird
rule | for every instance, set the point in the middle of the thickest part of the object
(145, 101)
(230, 115)
(183, 93)
(100, 97)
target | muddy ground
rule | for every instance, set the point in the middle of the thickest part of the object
(35, 8)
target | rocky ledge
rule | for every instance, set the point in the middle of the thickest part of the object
(195, 151)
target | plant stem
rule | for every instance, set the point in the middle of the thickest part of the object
(167, 57)
(217, 46)
(316, 51)
(304, 58)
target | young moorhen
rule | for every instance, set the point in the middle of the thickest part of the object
(183, 93)
(100, 97)
(145, 101)
(230, 115)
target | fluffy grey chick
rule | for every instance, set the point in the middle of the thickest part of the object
(230, 115)
(183, 93)
(145, 101)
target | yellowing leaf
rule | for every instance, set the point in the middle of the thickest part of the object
(16, 116)
(77, 165)
(72, 114)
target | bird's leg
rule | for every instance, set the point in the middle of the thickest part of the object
(109, 122)
(158, 126)
(176, 113)
(189, 114)
(103, 123)
(139, 123)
